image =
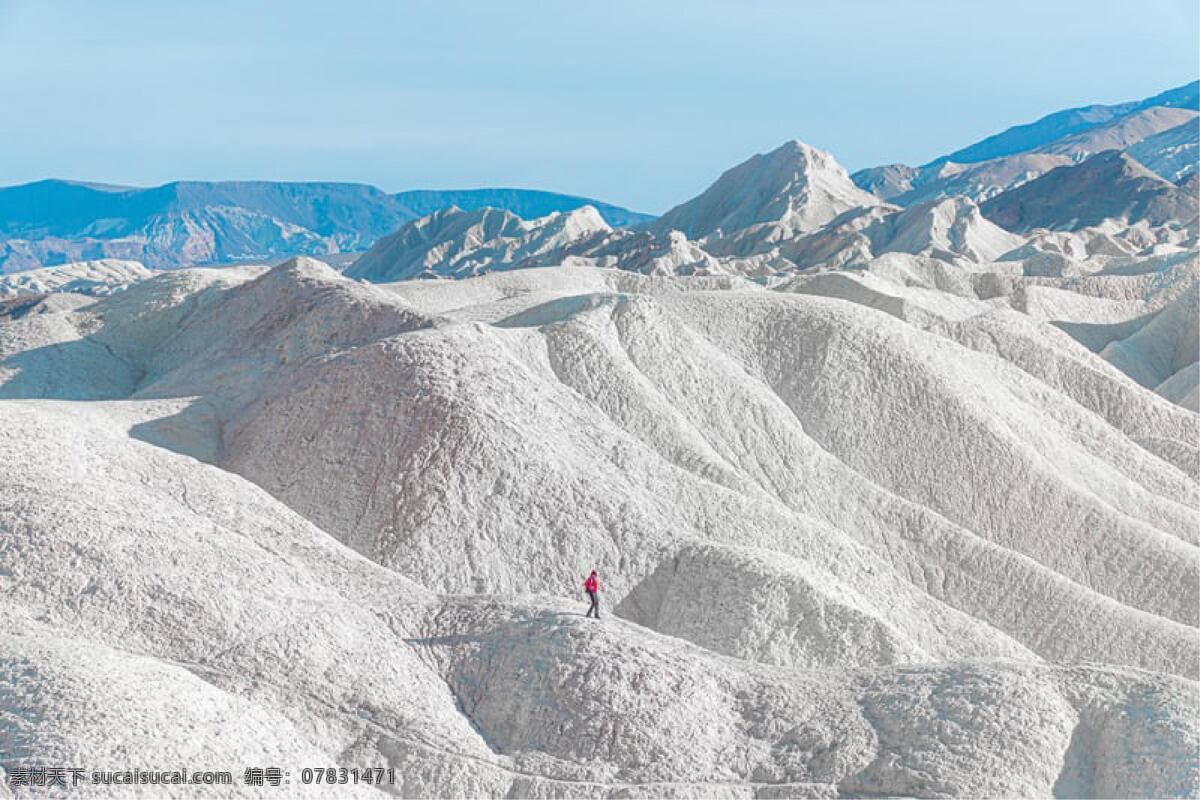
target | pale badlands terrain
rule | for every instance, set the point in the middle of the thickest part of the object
(887, 501)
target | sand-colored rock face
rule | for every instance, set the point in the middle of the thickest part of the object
(918, 528)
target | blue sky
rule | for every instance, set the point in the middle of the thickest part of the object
(639, 103)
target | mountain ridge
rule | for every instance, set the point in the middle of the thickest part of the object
(751, 211)
(1020, 138)
(1021, 153)
(183, 223)
(1109, 185)
(794, 208)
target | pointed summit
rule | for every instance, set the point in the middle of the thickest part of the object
(795, 188)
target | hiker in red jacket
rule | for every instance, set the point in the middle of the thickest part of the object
(592, 587)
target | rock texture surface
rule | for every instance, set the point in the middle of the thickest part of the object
(458, 244)
(1107, 186)
(887, 501)
(893, 531)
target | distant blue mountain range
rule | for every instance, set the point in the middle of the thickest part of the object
(191, 222)
(1160, 131)
(1020, 138)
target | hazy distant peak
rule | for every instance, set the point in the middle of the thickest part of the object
(1020, 138)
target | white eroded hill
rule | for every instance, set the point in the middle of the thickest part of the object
(908, 529)
(794, 189)
(457, 244)
(97, 278)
